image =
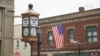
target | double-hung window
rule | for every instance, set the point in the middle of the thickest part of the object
(50, 38)
(91, 34)
(70, 35)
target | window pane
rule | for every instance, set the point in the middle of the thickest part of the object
(89, 33)
(50, 42)
(95, 39)
(91, 28)
(50, 35)
(89, 39)
(95, 33)
(71, 36)
(50, 38)
(70, 33)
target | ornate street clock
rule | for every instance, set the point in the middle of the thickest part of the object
(30, 25)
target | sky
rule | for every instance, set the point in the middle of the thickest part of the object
(49, 8)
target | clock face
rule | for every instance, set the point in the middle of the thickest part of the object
(33, 32)
(34, 21)
(25, 21)
(25, 32)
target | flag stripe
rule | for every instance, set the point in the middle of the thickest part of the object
(55, 34)
(58, 36)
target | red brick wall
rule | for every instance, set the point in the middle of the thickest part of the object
(79, 34)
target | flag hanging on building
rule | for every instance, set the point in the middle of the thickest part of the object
(58, 36)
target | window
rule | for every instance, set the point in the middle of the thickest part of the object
(70, 35)
(91, 34)
(25, 44)
(17, 44)
(50, 38)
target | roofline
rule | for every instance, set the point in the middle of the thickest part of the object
(72, 13)
(19, 16)
(70, 16)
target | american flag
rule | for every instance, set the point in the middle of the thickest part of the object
(58, 36)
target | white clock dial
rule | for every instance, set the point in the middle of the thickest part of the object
(26, 32)
(25, 21)
(34, 21)
(33, 31)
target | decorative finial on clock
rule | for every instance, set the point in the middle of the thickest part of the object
(30, 6)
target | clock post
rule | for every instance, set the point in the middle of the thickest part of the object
(30, 27)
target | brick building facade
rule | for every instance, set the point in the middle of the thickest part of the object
(83, 26)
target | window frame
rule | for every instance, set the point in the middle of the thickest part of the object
(70, 32)
(50, 42)
(90, 35)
